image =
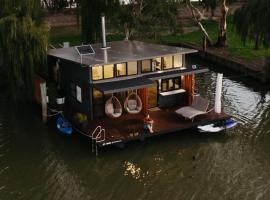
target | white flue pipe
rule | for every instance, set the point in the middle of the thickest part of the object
(218, 93)
(103, 26)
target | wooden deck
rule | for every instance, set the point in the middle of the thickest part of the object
(130, 127)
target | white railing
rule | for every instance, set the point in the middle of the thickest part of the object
(98, 136)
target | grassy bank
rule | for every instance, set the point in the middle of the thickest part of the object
(235, 46)
(72, 34)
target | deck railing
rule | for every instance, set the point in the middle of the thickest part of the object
(98, 136)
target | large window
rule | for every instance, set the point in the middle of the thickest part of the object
(156, 64)
(132, 68)
(170, 84)
(108, 71)
(146, 66)
(97, 73)
(177, 59)
(167, 62)
(121, 69)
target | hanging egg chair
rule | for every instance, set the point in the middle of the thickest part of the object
(113, 107)
(133, 103)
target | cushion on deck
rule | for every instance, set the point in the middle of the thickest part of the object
(132, 104)
(110, 108)
(189, 112)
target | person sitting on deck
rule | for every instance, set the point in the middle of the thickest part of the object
(148, 123)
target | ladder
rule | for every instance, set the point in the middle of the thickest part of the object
(97, 136)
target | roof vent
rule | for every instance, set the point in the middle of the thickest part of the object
(103, 26)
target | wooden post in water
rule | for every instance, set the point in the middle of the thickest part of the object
(43, 101)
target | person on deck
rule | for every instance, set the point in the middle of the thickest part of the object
(148, 123)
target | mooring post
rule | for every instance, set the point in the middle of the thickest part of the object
(43, 91)
(218, 93)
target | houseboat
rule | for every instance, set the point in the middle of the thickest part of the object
(129, 90)
(112, 94)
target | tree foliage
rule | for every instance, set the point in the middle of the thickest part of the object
(213, 4)
(252, 22)
(210, 5)
(147, 16)
(55, 5)
(23, 40)
(90, 11)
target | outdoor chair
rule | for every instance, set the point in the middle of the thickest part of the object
(133, 104)
(199, 106)
(113, 108)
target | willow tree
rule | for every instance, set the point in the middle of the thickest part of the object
(23, 40)
(252, 22)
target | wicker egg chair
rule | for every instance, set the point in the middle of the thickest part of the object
(133, 103)
(113, 107)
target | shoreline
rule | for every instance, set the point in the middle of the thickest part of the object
(222, 58)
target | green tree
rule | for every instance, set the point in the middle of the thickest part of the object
(23, 40)
(252, 22)
(210, 5)
(147, 16)
(222, 28)
(90, 17)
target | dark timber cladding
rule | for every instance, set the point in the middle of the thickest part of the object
(176, 73)
(123, 85)
(120, 51)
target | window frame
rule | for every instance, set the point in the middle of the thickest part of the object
(137, 70)
(161, 64)
(103, 72)
(181, 61)
(172, 57)
(151, 60)
(102, 69)
(115, 66)
(166, 81)
(74, 92)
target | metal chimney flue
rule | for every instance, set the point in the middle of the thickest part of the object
(104, 43)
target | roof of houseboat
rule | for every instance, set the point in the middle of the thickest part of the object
(119, 51)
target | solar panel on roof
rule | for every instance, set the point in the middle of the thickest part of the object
(85, 49)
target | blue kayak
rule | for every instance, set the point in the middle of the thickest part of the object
(63, 125)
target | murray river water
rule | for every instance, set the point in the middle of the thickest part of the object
(38, 163)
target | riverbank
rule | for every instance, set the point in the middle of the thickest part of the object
(237, 56)
(221, 57)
